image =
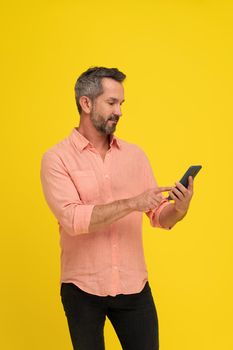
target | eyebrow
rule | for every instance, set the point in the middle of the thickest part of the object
(115, 99)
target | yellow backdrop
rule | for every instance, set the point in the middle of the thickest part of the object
(177, 56)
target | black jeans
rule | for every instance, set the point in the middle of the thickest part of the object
(133, 317)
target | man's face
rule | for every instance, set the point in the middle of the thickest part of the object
(106, 109)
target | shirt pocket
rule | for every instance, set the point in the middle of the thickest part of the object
(86, 184)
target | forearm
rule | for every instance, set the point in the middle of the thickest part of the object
(103, 215)
(169, 216)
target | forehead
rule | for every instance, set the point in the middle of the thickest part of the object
(112, 88)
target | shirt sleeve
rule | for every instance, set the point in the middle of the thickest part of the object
(154, 214)
(150, 182)
(62, 196)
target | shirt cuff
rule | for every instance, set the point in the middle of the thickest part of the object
(82, 218)
(157, 212)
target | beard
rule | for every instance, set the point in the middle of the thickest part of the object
(102, 124)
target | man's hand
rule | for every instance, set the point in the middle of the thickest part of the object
(182, 196)
(148, 200)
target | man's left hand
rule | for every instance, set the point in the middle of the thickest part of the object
(182, 196)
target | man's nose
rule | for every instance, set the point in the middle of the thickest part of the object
(117, 111)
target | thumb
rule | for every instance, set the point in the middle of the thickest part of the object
(190, 185)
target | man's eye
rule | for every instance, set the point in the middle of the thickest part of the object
(111, 103)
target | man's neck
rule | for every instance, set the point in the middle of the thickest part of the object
(97, 139)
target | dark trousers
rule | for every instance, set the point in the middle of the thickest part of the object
(133, 317)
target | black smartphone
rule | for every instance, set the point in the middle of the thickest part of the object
(192, 171)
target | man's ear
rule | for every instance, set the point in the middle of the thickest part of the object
(86, 104)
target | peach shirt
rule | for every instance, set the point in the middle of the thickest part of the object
(74, 179)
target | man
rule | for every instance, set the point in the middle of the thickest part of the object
(98, 187)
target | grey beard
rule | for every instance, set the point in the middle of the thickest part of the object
(102, 126)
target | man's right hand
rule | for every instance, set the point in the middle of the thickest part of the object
(148, 200)
(105, 214)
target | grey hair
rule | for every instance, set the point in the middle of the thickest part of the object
(89, 83)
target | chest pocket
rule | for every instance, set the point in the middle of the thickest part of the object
(86, 185)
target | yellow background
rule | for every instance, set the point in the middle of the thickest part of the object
(177, 56)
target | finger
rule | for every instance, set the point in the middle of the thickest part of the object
(157, 197)
(155, 201)
(163, 189)
(178, 193)
(190, 186)
(153, 205)
(171, 194)
(181, 187)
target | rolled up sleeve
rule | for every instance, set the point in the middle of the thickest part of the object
(155, 213)
(62, 196)
(150, 182)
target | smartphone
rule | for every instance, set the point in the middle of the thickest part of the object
(192, 171)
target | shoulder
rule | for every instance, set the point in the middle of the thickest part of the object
(132, 148)
(57, 151)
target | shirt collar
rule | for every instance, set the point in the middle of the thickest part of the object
(81, 142)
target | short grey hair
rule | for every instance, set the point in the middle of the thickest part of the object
(89, 83)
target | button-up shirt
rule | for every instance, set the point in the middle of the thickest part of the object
(75, 178)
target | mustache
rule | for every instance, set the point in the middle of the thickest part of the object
(114, 118)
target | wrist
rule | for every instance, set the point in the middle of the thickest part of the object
(131, 203)
(180, 213)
